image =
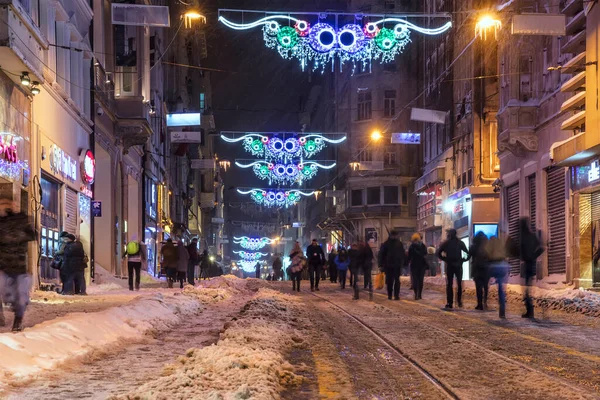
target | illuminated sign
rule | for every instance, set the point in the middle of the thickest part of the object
(8, 151)
(594, 172)
(406, 138)
(183, 119)
(62, 164)
(88, 166)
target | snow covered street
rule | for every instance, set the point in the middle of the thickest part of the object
(239, 339)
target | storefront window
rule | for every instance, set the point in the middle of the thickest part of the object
(49, 240)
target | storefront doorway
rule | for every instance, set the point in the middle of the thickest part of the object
(50, 226)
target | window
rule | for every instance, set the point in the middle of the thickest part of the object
(202, 102)
(374, 196)
(464, 178)
(404, 195)
(525, 79)
(389, 103)
(364, 107)
(458, 182)
(366, 155)
(390, 158)
(470, 176)
(390, 195)
(357, 197)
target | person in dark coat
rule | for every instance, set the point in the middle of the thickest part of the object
(257, 270)
(15, 233)
(391, 259)
(530, 250)
(357, 261)
(333, 271)
(193, 261)
(480, 269)
(75, 265)
(277, 268)
(170, 258)
(417, 252)
(59, 258)
(182, 263)
(316, 260)
(367, 263)
(295, 269)
(451, 253)
(205, 265)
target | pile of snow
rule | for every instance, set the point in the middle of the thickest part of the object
(247, 362)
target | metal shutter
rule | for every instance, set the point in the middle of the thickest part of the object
(512, 203)
(557, 248)
(595, 204)
(71, 206)
(532, 203)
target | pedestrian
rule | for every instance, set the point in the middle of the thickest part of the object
(257, 270)
(342, 262)
(298, 262)
(137, 256)
(367, 264)
(170, 258)
(391, 260)
(451, 253)
(530, 250)
(204, 265)
(316, 260)
(277, 268)
(417, 252)
(432, 261)
(182, 262)
(496, 254)
(75, 263)
(333, 270)
(15, 232)
(480, 269)
(193, 261)
(58, 261)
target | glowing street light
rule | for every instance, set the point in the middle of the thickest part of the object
(487, 23)
(376, 136)
(355, 165)
(191, 16)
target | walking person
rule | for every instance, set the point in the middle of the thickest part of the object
(391, 260)
(193, 261)
(357, 261)
(170, 258)
(451, 253)
(277, 268)
(480, 269)
(137, 255)
(367, 263)
(204, 265)
(432, 261)
(333, 270)
(342, 262)
(15, 232)
(530, 250)
(316, 260)
(496, 254)
(58, 261)
(182, 262)
(257, 270)
(75, 263)
(298, 263)
(417, 252)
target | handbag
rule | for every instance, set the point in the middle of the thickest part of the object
(56, 262)
(379, 280)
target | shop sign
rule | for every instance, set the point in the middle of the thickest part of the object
(96, 209)
(458, 207)
(8, 151)
(584, 176)
(86, 191)
(61, 163)
(88, 166)
(406, 138)
(594, 172)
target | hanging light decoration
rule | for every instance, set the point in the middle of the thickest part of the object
(249, 266)
(276, 198)
(224, 164)
(252, 243)
(190, 16)
(285, 174)
(486, 24)
(321, 43)
(248, 256)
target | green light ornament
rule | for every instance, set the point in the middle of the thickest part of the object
(287, 37)
(385, 39)
(310, 146)
(257, 145)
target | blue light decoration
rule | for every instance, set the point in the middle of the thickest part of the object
(247, 256)
(321, 43)
(277, 198)
(283, 174)
(249, 266)
(252, 243)
(274, 148)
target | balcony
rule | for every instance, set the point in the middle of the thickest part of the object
(572, 7)
(574, 102)
(103, 86)
(21, 43)
(575, 45)
(576, 24)
(574, 65)
(516, 124)
(575, 150)
(573, 122)
(575, 83)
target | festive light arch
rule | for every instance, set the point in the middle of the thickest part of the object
(252, 243)
(275, 148)
(277, 198)
(250, 256)
(284, 174)
(249, 266)
(321, 43)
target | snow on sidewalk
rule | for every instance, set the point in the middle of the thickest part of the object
(47, 345)
(247, 362)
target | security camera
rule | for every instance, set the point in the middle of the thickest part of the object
(99, 111)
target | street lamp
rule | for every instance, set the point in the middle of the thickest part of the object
(191, 16)
(376, 136)
(486, 23)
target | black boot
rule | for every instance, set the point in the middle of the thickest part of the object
(18, 324)
(2, 320)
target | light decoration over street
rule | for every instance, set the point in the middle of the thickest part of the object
(248, 256)
(485, 24)
(274, 148)
(252, 243)
(248, 266)
(285, 173)
(365, 39)
(276, 198)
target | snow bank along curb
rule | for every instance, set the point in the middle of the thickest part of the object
(565, 299)
(51, 343)
(247, 362)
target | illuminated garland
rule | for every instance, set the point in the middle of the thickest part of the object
(321, 43)
(276, 198)
(252, 243)
(273, 148)
(249, 266)
(12, 170)
(247, 256)
(284, 174)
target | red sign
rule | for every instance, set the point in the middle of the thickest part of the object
(88, 167)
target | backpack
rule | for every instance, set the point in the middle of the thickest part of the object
(133, 248)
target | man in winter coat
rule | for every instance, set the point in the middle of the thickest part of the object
(391, 259)
(530, 250)
(277, 268)
(170, 259)
(204, 265)
(194, 260)
(316, 260)
(333, 275)
(418, 264)
(480, 269)
(367, 263)
(451, 253)
(182, 263)
(15, 232)
(75, 264)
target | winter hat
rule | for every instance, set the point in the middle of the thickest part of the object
(415, 237)
(71, 236)
(64, 234)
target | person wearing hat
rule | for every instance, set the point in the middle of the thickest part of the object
(74, 264)
(418, 264)
(391, 259)
(58, 260)
(450, 252)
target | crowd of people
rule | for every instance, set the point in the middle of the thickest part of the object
(180, 262)
(488, 258)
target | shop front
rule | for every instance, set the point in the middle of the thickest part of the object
(585, 184)
(150, 222)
